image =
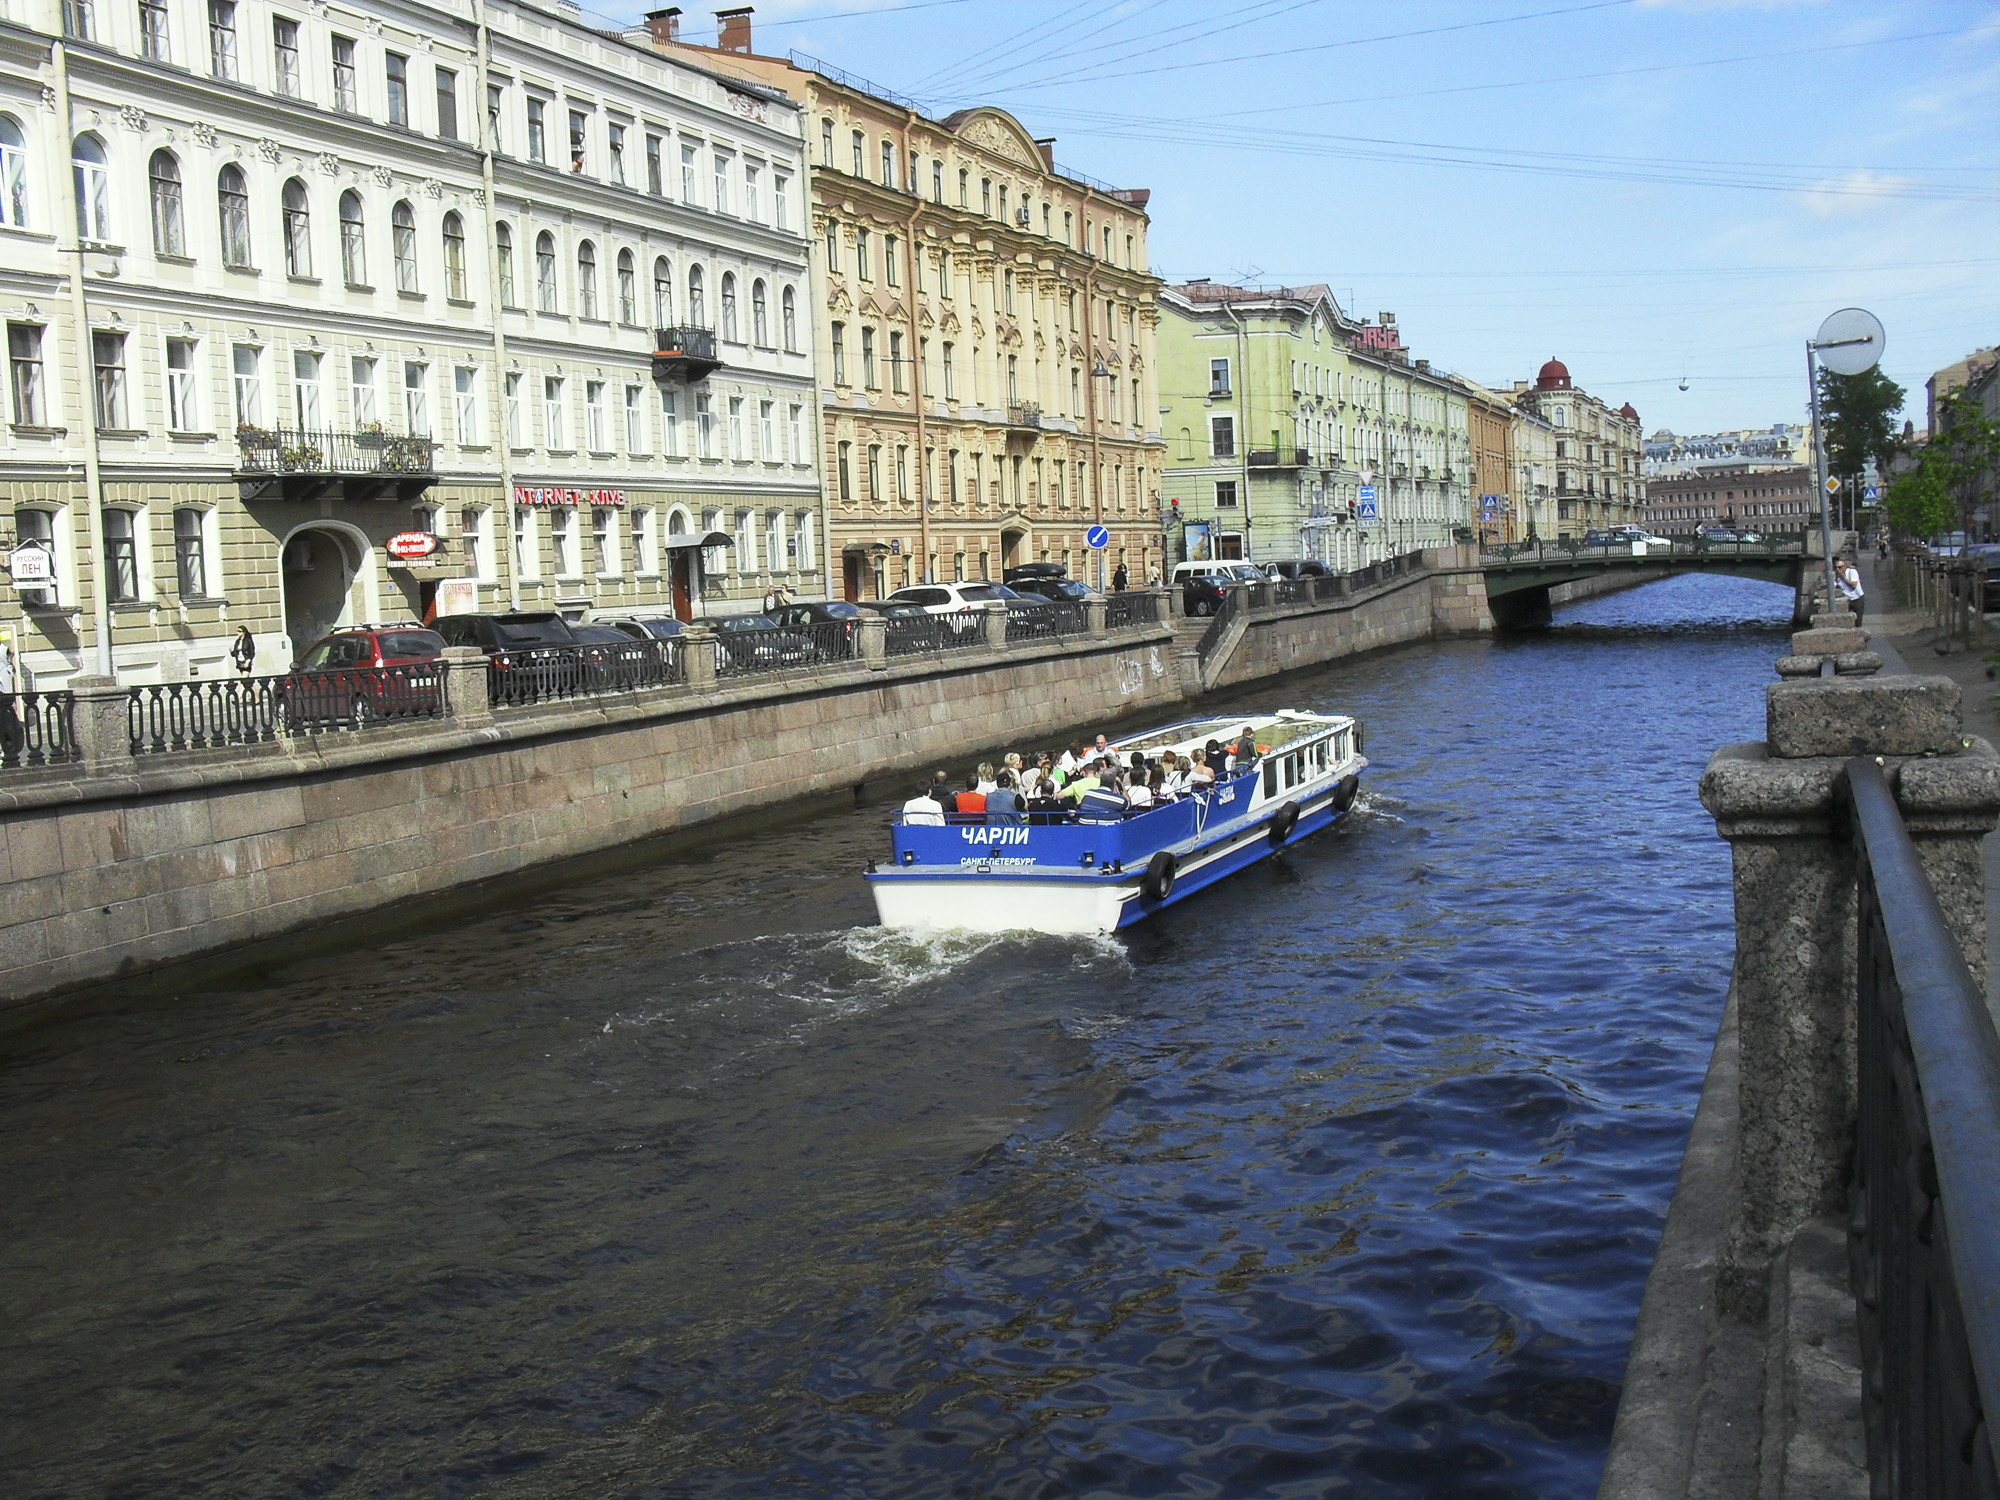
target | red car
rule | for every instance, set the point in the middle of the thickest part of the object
(366, 673)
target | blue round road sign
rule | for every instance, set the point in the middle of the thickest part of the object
(1098, 536)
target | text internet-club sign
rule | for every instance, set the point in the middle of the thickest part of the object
(557, 494)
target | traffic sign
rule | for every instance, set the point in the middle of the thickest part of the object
(1098, 536)
(1872, 493)
(1368, 506)
(1833, 484)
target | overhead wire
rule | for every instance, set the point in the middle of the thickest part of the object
(1265, 10)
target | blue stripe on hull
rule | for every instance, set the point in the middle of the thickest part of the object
(1223, 866)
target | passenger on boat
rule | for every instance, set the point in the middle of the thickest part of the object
(1139, 769)
(1005, 806)
(1080, 786)
(1103, 803)
(923, 808)
(1036, 777)
(1173, 773)
(971, 800)
(1011, 761)
(1201, 776)
(1157, 785)
(1102, 749)
(1071, 759)
(1140, 794)
(1246, 750)
(941, 792)
(1212, 751)
(986, 781)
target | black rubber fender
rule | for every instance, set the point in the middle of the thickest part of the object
(1283, 821)
(1346, 792)
(1158, 883)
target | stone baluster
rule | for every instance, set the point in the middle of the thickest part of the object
(700, 644)
(871, 640)
(466, 693)
(103, 724)
(995, 623)
(1096, 618)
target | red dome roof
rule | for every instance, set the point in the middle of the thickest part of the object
(1627, 413)
(1554, 376)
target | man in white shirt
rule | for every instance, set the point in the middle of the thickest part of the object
(1849, 579)
(923, 808)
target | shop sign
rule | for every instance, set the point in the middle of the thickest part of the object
(31, 565)
(457, 596)
(409, 546)
(564, 495)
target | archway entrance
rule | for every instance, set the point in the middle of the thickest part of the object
(324, 583)
(1013, 550)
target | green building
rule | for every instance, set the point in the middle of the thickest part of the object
(1294, 432)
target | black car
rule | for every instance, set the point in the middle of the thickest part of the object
(754, 643)
(827, 626)
(1060, 590)
(529, 655)
(1300, 567)
(1020, 573)
(1205, 593)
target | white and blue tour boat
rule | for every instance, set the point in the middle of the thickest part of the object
(1068, 872)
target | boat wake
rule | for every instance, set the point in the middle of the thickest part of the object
(1376, 805)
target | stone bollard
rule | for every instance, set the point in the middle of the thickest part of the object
(1096, 618)
(103, 725)
(1779, 804)
(871, 640)
(700, 644)
(995, 623)
(466, 690)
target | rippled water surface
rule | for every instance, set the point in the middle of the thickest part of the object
(683, 1179)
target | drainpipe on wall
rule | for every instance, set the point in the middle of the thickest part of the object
(1243, 433)
(79, 311)
(504, 540)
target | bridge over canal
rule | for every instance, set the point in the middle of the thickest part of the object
(1520, 575)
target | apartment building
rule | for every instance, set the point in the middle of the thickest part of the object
(985, 327)
(284, 282)
(1491, 470)
(1753, 496)
(1599, 463)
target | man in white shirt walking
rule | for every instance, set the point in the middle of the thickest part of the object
(1848, 577)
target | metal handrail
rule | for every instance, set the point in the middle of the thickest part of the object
(1234, 601)
(47, 731)
(1925, 1202)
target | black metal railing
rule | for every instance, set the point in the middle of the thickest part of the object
(1573, 549)
(1121, 610)
(1291, 591)
(1056, 619)
(1925, 1199)
(285, 450)
(42, 731)
(1235, 601)
(549, 674)
(684, 342)
(913, 635)
(162, 717)
(739, 653)
(354, 698)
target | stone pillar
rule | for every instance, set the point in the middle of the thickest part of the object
(465, 687)
(871, 640)
(995, 623)
(1096, 615)
(103, 725)
(699, 642)
(1779, 804)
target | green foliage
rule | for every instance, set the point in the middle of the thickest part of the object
(1919, 502)
(1955, 473)
(1857, 419)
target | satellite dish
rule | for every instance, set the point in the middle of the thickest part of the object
(1849, 342)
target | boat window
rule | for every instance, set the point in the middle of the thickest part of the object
(1270, 778)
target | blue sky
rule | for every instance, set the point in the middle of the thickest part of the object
(1655, 190)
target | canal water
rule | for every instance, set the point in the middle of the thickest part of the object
(684, 1180)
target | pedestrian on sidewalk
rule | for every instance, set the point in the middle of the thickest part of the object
(11, 737)
(244, 652)
(1849, 579)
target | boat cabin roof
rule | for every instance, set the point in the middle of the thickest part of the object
(1272, 730)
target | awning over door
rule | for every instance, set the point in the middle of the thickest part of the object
(697, 539)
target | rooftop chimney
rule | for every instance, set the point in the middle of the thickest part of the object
(665, 25)
(735, 29)
(1047, 146)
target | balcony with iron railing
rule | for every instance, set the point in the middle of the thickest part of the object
(1280, 458)
(305, 463)
(685, 353)
(1026, 415)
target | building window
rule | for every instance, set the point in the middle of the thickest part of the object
(737, 452)
(697, 298)
(454, 257)
(516, 419)
(538, 132)
(545, 272)
(795, 429)
(577, 158)
(760, 316)
(889, 270)
(688, 194)
(353, 241)
(1222, 437)
(24, 368)
(781, 200)
(750, 180)
(361, 392)
(604, 541)
(875, 472)
(121, 557)
(93, 189)
(298, 230)
(345, 95)
(562, 540)
(788, 313)
(154, 33)
(1218, 377)
(721, 204)
(862, 268)
(190, 553)
(527, 546)
(645, 541)
(493, 98)
(77, 19)
(937, 182)
(183, 411)
(222, 38)
(964, 177)
(1225, 494)
(986, 196)
(950, 387)
(397, 70)
(860, 144)
(417, 398)
(628, 289)
(169, 230)
(774, 541)
(841, 451)
(746, 543)
(670, 424)
(465, 404)
(555, 414)
(896, 363)
(729, 306)
(663, 293)
(655, 178)
(839, 332)
(767, 431)
(247, 381)
(285, 56)
(868, 357)
(615, 143)
(597, 422)
(13, 175)
(586, 280)
(107, 354)
(704, 426)
(635, 419)
(233, 204)
(447, 103)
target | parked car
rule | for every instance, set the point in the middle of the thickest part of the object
(1300, 567)
(1946, 544)
(649, 628)
(959, 600)
(1020, 572)
(1058, 590)
(827, 626)
(754, 643)
(891, 609)
(530, 654)
(365, 673)
(1205, 585)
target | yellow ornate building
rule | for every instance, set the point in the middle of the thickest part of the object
(985, 336)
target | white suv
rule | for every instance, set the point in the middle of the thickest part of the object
(949, 598)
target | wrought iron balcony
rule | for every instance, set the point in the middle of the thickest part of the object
(1025, 414)
(306, 463)
(684, 354)
(1280, 458)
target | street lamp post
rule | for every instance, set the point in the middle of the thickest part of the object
(1851, 342)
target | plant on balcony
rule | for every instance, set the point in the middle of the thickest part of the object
(303, 456)
(406, 454)
(250, 436)
(370, 435)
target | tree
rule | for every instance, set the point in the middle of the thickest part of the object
(1955, 473)
(1920, 503)
(1857, 419)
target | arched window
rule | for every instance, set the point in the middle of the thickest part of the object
(454, 256)
(169, 228)
(298, 230)
(93, 189)
(586, 280)
(790, 313)
(13, 174)
(353, 240)
(503, 240)
(697, 301)
(663, 293)
(628, 289)
(729, 306)
(403, 237)
(760, 316)
(232, 201)
(545, 272)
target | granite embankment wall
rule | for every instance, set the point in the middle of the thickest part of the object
(139, 860)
